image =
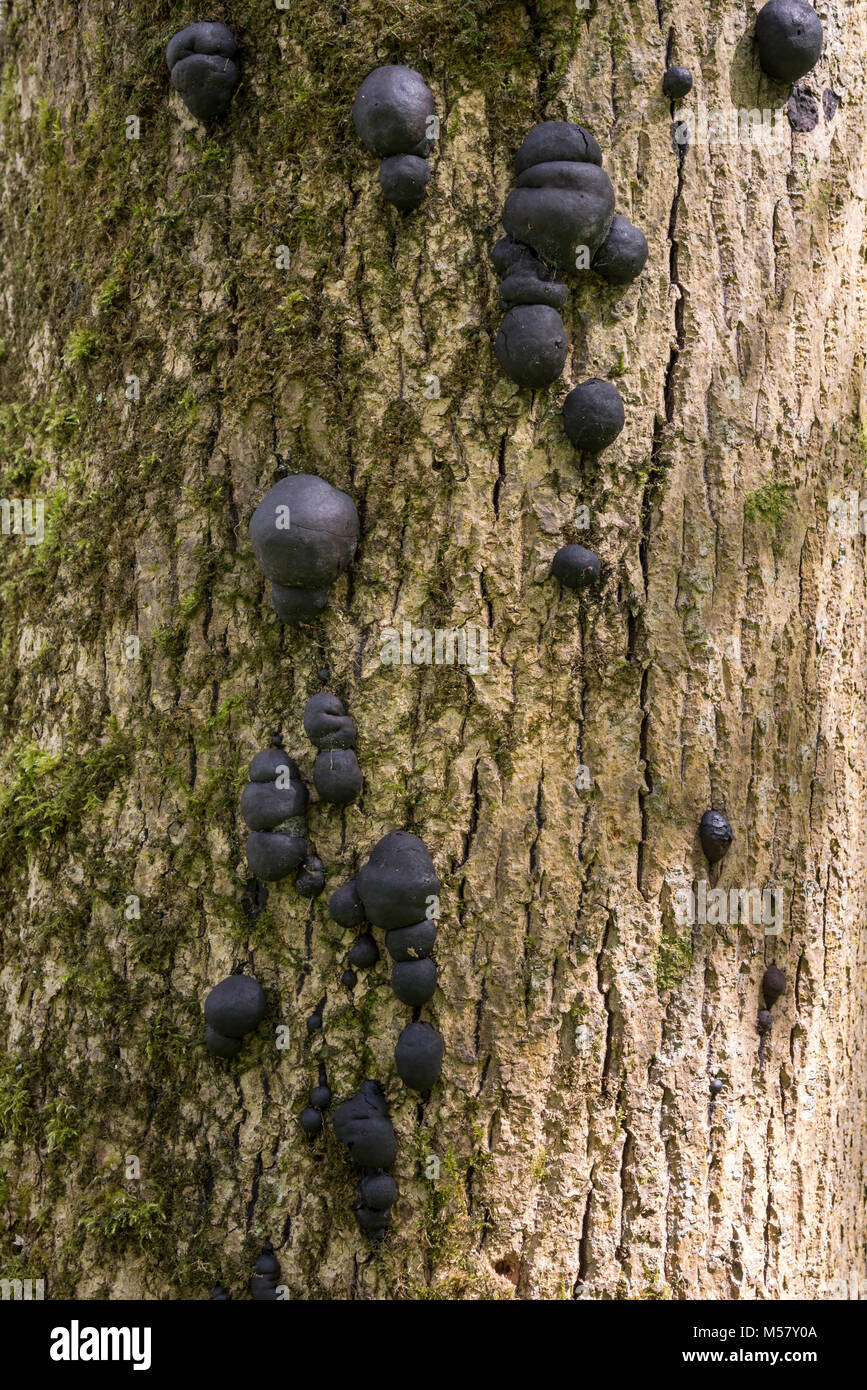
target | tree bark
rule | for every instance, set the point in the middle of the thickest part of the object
(573, 1147)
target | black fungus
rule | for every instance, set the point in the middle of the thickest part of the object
(310, 878)
(304, 533)
(715, 1086)
(363, 1125)
(377, 1191)
(220, 1295)
(310, 1121)
(418, 1057)
(220, 1045)
(235, 1006)
(510, 255)
(677, 82)
(802, 110)
(273, 804)
(559, 208)
(337, 776)
(200, 60)
(575, 567)
(773, 985)
(593, 415)
(398, 881)
(320, 1097)
(789, 39)
(314, 1022)
(403, 179)
(374, 1222)
(531, 345)
(326, 723)
(273, 856)
(391, 110)
(414, 981)
(265, 805)
(523, 288)
(763, 1021)
(349, 979)
(345, 906)
(364, 952)
(263, 1285)
(623, 254)
(557, 140)
(412, 943)
(715, 835)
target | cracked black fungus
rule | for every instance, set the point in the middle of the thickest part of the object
(304, 533)
(263, 1285)
(363, 1126)
(773, 985)
(531, 345)
(345, 906)
(623, 254)
(412, 943)
(575, 567)
(414, 981)
(593, 415)
(391, 112)
(326, 723)
(398, 881)
(310, 878)
(677, 82)
(203, 73)
(233, 1008)
(418, 1057)
(715, 834)
(789, 39)
(274, 804)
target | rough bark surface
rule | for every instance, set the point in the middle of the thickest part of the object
(722, 662)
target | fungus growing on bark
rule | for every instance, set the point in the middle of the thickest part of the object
(593, 415)
(789, 39)
(336, 773)
(677, 82)
(551, 141)
(320, 1095)
(233, 1008)
(412, 943)
(310, 1121)
(326, 723)
(377, 1191)
(418, 1057)
(337, 776)
(263, 1285)
(364, 952)
(220, 1046)
(715, 1086)
(273, 804)
(398, 881)
(220, 1295)
(310, 878)
(531, 345)
(200, 60)
(773, 985)
(575, 567)
(558, 208)
(349, 979)
(314, 1022)
(414, 981)
(391, 112)
(403, 179)
(623, 254)
(715, 835)
(522, 287)
(304, 533)
(345, 906)
(763, 1021)
(363, 1125)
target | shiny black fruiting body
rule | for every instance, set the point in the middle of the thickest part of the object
(235, 1006)
(345, 906)
(398, 881)
(310, 878)
(203, 73)
(273, 804)
(304, 533)
(575, 567)
(363, 1126)
(593, 415)
(310, 1121)
(418, 1056)
(337, 776)
(414, 981)
(715, 834)
(412, 943)
(677, 82)
(773, 985)
(789, 39)
(531, 345)
(623, 254)
(364, 952)
(392, 113)
(326, 723)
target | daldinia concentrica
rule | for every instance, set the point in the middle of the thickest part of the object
(233, 1008)
(677, 82)
(789, 39)
(412, 943)
(336, 773)
(593, 415)
(715, 834)
(345, 906)
(304, 533)
(274, 804)
(398, 882)
(764, 1021)
(773, 985)
(364, 952)
(531, 345)
(200, 60)
(310, 878)
(219, 1295)
(558, 208)
(363, 1125)
(623, 254)
(418, 1056)
(392, 114)
(414, 981)
(263, 1285)
(575, 567)
(310, 1121)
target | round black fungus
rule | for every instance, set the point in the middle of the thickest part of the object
(320, 1097)
(773, 985)
(273, 856)
(326, 723)
(323, 674)
(557, 140)
(414, 981)
(263, 1285)
(272, 763)
(304, 533)
(337, 776)
(557, 220)
(412, 943)
(677, 82)
(623, 254)
(362, 1124)
(310, 1121)
(349, 979)
(310, 878)
(373, 1221)
(763, 1021)
(364, 952)
(521, 288)
(575, 567)
(345, 906)
(531, 345)
(391, 110)
(593, 415)
(403, 179)
(314, 1022)
(715, 1086)
(298, 605)
(397, 881)
(265, 805)
(418, 1057)
(378, 1191)
(221, 1046)
(789, 39)
(715, 835)
(508, 255)
(199, 59)
(220, 1295)
(235, 1006)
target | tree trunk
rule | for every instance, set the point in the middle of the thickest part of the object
(573, 1147)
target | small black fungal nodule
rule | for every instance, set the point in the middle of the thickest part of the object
(531, 345)
(310, 878)
(221, 1046)
(412, 943)
(200, 60)
(715, 834)
(677, 82)
(414, 981)
(789, 39)
(314, 1022)
(263, 1285)
(233, 1008)
(715, 1086)
(310, 1121)
(418, 1057)
(363, 1125)
(593, 415)
(403, 179)
(398, 881)
(763, 1021)
(326, 723)
(274, 804)
(377, 1191)
(575, 567)
(623, 254)
(345, 906)
(337, 776)
(364, 952)
(220, 1295)
(773, 985)
(304, 533)
(320, 1096)
(349, 979)
(392, 113)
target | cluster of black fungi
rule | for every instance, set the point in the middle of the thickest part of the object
(363, 1126)
(773, 985)
(304, 533)
(274, 807)
(336, 773)
(200, 59)
(234, 1007)
(392, 112)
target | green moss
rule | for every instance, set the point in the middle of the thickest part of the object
(673, 958)
(122, 1220)
(769, 504)
(81, 345)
